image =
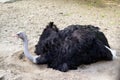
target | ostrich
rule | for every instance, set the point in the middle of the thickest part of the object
(66, 49)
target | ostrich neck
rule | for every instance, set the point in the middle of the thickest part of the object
(26, 51)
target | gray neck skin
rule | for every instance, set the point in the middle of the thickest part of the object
(26, 51)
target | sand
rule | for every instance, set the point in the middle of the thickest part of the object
(31, 16)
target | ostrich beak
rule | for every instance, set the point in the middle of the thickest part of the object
(15, 36)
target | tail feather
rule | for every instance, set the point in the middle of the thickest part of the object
(113, 52)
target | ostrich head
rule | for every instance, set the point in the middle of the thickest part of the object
(22, 35)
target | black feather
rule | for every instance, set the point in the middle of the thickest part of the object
(75, 45)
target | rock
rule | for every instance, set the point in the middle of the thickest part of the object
(7, 1)
(2, 77)
(21, 56)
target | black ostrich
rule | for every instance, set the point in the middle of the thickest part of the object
(68, 48)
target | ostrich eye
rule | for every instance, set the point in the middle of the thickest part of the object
(36, 45)
(18, 34)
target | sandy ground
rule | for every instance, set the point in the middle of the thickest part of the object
(32, 16)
